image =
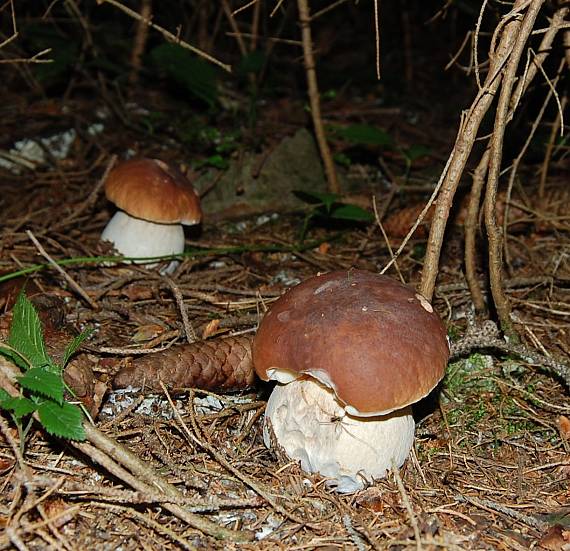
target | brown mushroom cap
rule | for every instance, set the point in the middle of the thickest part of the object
(153, 190)
(376, 342)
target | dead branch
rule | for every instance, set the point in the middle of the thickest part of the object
(482, 167)
(139, 42)
(314, 98)
(486, 335)
(521, 33)
(168, 35)
(459, 156)
(471, 224)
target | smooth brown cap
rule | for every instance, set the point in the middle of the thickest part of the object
(153, 190)
(378, 342)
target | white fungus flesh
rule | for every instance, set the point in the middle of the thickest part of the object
(138, 238)
(314, 428)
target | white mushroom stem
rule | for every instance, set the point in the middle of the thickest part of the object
(139, 238)
(313, 427)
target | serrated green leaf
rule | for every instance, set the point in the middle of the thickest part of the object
(64, 420)
(13, 356)
(43, 382)
(351, 212)
(4, 396)
(26, 334)
(20, 406)
(364, 134)
(74, 345)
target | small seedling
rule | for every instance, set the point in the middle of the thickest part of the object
(42, 386)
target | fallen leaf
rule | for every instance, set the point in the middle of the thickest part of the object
(138, 292)
(373, 499)
(56, 508)
(147, 332)
(556, 539)
(5, 465)
(210, 329)
(564, 427)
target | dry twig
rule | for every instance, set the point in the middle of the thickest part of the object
(168, 35)
(314, 98)
(123, 464)
(464, 143)
(72, 283)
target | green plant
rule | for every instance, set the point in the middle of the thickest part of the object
(364, 134)
(330, 207)
(194, 75)
(372, 136)
(219, 145)
(42, 387)
(413, 153)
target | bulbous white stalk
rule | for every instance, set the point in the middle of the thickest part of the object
(313, 427)
(139, 238)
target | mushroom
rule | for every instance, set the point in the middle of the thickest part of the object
(350, 351)
(155, 199)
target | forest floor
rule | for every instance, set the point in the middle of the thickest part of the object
(490, 467)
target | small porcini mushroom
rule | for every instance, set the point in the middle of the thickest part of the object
(155, 199)
(351, 352)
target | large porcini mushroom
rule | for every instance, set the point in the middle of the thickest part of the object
(155, 199)
(351, 351)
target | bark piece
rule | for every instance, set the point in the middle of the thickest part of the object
(219, 364)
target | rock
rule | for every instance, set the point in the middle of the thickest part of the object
(253, 184)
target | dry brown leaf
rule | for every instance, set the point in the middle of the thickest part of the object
(55, 508)
(564, 427)
(147, 332)
(210, 329)
(5, 465)
(138, 292)
(556, 539)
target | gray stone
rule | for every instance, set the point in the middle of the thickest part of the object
(253, 185)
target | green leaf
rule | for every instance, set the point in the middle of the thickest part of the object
(74, 346)
(351, 212)
(416, 152)
(217, 161)
(13, 356)
(43, 382)
(63, 51)
(329, 94)
(318, 198)
(20, 406)
(251, 63)
(364, 134)
(64, 420)
(342, 159)
(195, 75)
(4, 396)
(26, 333)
